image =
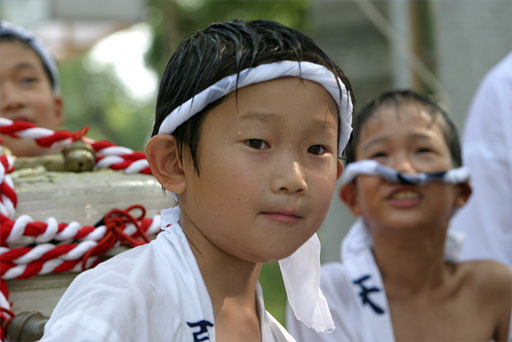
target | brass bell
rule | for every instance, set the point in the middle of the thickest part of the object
(79, 157)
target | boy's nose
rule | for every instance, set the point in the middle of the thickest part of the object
(404, 165)
(289, 178)
(10, 99)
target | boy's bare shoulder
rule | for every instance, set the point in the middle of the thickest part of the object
(489, 284)
(487, 278)
(485, 270)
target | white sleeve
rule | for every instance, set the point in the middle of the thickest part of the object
(80, 327)
(487, 152)
(101, 304)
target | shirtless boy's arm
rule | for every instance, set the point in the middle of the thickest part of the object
(501, 293)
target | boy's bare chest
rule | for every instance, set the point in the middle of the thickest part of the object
(441, 320)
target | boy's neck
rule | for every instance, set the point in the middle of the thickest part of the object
(410, 261)
(231, 282)
(228, 281)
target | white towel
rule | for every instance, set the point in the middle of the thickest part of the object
(372, 316)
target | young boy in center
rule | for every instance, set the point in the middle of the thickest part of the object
(400, 278)
(29, 86)
(250, 120)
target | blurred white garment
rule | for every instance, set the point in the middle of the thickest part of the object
(487, 153)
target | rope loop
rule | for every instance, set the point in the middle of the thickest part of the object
(80, 133)
(6, 316)
(116, 221)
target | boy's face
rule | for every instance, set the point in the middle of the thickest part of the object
(26, 94)
(408, 141)
(268, 168)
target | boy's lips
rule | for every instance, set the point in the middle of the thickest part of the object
(404, 197)
(283, 216)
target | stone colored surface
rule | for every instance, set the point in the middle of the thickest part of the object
(85, 197)
(82, 197)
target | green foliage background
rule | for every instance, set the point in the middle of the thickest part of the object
(97, 98)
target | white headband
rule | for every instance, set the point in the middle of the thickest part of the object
(7, 28)
(265, 72)
(373, 168)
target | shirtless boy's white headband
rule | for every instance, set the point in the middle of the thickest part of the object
(301, 270)
(371, 167)
(265, 72)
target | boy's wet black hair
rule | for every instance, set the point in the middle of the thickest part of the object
(224, 49)
(13, 38)
(396, 98)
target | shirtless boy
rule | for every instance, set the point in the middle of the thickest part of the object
(400, 278)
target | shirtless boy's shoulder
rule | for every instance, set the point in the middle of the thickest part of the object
(489, 284)
(488, 279)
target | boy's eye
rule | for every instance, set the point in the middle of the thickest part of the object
(424, 150)
(257, 144)
(317, 149)
(378, 155)
(28, 80)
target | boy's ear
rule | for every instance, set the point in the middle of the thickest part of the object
(59, 118)
(348, 194)
(340, 169)
(164, 162)
(464, 193)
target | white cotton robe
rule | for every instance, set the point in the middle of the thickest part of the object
(153, 292)
(487, 153)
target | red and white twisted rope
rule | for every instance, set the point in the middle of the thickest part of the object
(109, 155)
(84, 248)
(44, 258)
(44, 137)
(29, 248)
(24, 231)
(8, 197)
(120, 158)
